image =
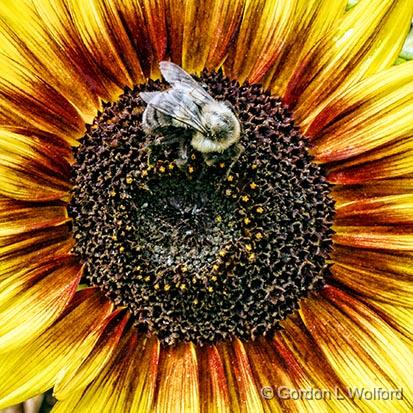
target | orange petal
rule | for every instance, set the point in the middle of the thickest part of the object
(385, 238)
(106, 42)
(393, 209)
(393, 160)
(209, 28)
(178, 387)
(17, 217)
(378, 188)
(213, 388)
(146, 25)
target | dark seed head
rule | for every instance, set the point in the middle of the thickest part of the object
(197, 253)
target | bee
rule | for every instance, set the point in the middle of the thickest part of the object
(188, 115)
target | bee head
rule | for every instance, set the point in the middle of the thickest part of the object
(221, 122)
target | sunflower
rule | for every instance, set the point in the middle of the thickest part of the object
(278, 280)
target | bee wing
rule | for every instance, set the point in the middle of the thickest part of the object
(176, 104)
(148, 96)
(175, 76)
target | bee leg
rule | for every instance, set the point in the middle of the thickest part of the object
(183, 154)
(238, 150)
(210, 158)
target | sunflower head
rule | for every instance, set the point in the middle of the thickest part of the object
(206, 208)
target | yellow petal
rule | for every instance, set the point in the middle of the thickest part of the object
(400, 318)
(377, 188)
(30, 170)
(260, 40)
(50, 49)
(16, 218)
(243, 391)
(386, 91)
(363, 350)
(387, 238)
(23, 253)
(126, 384)
(313, 19)
(397, 262)
(354, 123)
(311, 370)
(31, 303)
(32, 369)
(80, 373)
(382, 286)
(365, 43)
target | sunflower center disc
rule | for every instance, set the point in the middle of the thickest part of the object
(197, 253)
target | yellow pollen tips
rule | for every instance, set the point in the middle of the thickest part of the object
(190, 169)
(156, 286)
(129, 180)
(215, 267)
(245, 198)
(171, 166)
(183, 287)
(167, 287)
(222, 253)
(222, 165)
(121, 249)
(144, 172)
(253, 185)
(247, 221)
(195, 302)
(162, 169)
(248, 247)
(218, 218)
(230, 178)
(228, 192)
(112, 194)
(214, 278)
(254, 166)
(259, 210)
(210, 289)
(251, 257)
(147, 278)
(114, 237)
(184, 268)
(259, 235)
